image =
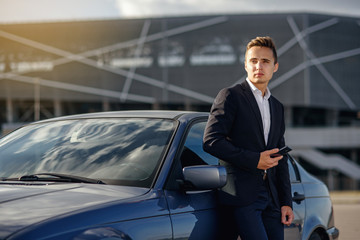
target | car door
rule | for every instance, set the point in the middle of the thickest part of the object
(294, 230)
(193, 213)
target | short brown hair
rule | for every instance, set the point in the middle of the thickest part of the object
(262, 42)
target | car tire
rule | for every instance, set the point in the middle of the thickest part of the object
(315, 236)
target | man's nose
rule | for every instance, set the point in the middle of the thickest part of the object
(259, 65)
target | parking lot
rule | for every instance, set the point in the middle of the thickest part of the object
(347, 212)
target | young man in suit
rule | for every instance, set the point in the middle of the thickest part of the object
(245, 127)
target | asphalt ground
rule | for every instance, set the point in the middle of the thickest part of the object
(347, 213)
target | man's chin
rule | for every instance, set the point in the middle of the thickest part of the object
(259, 80)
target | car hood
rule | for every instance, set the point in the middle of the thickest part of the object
(22, 205)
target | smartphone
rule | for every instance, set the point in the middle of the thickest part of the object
(282, 151)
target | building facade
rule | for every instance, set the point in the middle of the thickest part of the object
(60, 68)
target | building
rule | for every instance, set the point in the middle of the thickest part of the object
(60, 68)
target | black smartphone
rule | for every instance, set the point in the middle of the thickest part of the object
(282, 151)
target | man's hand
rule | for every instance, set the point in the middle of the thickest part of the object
(266, 161)
(287, 215)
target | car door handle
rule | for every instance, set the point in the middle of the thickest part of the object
(298, 197)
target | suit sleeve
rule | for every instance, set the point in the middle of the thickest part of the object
(216, 140)
(282, 175)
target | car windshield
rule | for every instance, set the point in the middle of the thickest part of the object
(124, 151)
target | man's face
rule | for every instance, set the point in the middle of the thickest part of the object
(259, 65)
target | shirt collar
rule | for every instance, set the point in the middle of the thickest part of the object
(255, 90)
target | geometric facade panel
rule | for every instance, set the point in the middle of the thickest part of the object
(180, 59)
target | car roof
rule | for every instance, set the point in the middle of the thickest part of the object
(164, 114)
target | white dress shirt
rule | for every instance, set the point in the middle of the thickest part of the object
(264, 107)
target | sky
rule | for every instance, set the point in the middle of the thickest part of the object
(19, 11)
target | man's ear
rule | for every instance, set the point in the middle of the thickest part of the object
(276, 67)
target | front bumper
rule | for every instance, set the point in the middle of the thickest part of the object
(333, 233)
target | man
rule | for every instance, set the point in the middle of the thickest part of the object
(245, 127)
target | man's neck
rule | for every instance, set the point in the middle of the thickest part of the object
(261, 86)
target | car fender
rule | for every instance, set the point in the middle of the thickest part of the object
(316, 219)
(316, 228)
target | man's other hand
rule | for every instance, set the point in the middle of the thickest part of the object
(287, 215)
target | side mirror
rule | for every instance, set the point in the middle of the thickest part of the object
(204, 177)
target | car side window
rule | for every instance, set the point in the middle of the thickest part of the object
(293, 171)
(193, 153)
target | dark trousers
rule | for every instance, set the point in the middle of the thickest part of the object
(260, 220)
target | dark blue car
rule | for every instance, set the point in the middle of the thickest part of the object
(128, 175)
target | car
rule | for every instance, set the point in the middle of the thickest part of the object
(128, 175)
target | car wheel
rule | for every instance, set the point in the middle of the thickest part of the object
(315, 236)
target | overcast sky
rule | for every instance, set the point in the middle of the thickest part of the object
(63, 10)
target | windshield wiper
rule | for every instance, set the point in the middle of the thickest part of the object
(60, 178)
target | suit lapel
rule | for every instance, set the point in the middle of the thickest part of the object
(272, 121)
(254, 106)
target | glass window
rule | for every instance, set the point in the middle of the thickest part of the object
(293, 172)
(193, 153)
(125, 151)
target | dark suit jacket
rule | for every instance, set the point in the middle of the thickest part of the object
(234, 133)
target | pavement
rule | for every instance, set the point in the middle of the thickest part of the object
(345, 197)
(347, 211)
